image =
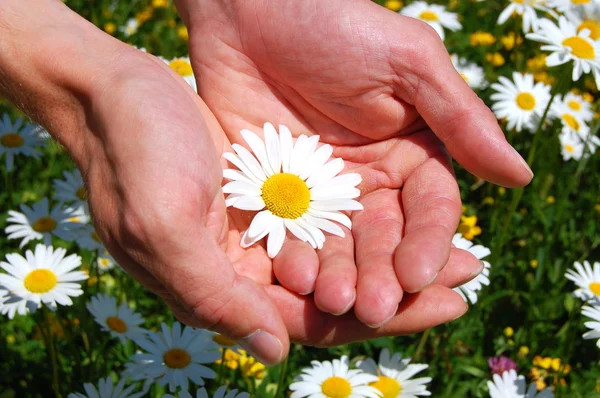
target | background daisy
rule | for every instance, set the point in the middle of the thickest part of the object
(468, 291)
(509, 385)
(526, 9)
(434, 15)
(594, 313)
(183, 67)
(18, 139)
(571, 146)
(220, 393)
(587, 279)
(70, 189)
(121, 322)
(105, 389)
(472, 73)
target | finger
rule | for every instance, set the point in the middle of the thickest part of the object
(432, 209)
(335, 290)
(377, 232)
(461, 267)
(451, 108)
(296, 266)
(306, 324)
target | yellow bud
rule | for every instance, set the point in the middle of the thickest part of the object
(110, 28)
(508, 331)
(523, 351)
(393, 5)
(534, 263)
(550, 200)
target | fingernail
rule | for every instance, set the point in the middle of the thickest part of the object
(524, 163)
(478, 271)
(348, 306)
(464, 312)
(386, 320)
(263, 346)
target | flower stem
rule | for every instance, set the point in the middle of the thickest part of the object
(421, 345)
(45, 329)
(282, 374)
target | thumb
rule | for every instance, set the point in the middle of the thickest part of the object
(457, 116)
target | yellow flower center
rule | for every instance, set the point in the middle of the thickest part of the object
(116, 324)
(526, 101)
(40, 281)
(81, 194)
(571, 121)
(390, 388)
(44, 224)
(595, 288)
(579, 2)
(575, 105)
(286, 195)
(177, 358)
(593, 27)
(569, 148)
(580, 47)
(12, 140)
(223, 340)
(95, 237)
(428, 15)
(336, 387)
(104, 262)
(182, 67)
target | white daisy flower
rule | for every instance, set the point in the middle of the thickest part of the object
(567, 45)
(469, 290)
(395, 374)
(46, 276)
(220, 393)
(586, 16)
(183, 67)
(105, 261)
(85, 236)
(509, 385)
(575, 105)
(41, 132)
(472, 73)
(299, 188)
(333, 379)
(568, 5)
(526, 9)
(78, 214)
(130, 27)
(594, 313)
(37, 222)
(520, 101)
(18, 139)
(71, 189)
(105, 389)
(174, 357)
(571, 146)
(587, 280)
(434, 15)
(122, 322)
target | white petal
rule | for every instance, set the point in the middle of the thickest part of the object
(336, 204)
(276, 238)
(242, 187)
(252, 203)
(324, 224)
(258, 147)
(273, 147)
(287, 144)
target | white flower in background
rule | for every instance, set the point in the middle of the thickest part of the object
(46, 276)
(130, 28)
(527, 10)
(85, 236)
(333, 379)
(587, 280)
(79, 214)
(395, 374)
(37, 222)
(574, 126)
(434, 15)
(122, 322)
(594, 313)
(18, 139)
(105, 389)
(41, 132)
(576, 105)
(571, 146)
(567, 45)
(183, 67)
(174, 357)
(472, 73)
(70, 190)
(569, 5)
(469, 290)
(299, 188)
(520, 101)
(509, 385)
(220, 393)
(105, 261)
(586, 16)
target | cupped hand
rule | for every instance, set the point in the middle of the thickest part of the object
(381, 89)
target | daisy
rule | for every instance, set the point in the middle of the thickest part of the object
(46, 276)
(520, 101)
(105, 261)
(525, 8)
(469, 289)
(395, 374)
(587, 280)
(509, 385)
(71, 189)
(586, 16)
(333, 379)
(567, 44)
(37, 222)
(295, 185)
(16, 138)
(568, 5)
(78, 214)
(105, 390)
(434, 15)
(121, 322)
(183, 67)
(130, 27)
(174, 357)
(576, 105)
(472, 73)
(85, 236)
(571, 146)
(594, 313)
(220, 393)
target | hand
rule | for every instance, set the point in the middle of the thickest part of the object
(380, 88)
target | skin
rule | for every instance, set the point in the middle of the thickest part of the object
(150, 150)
